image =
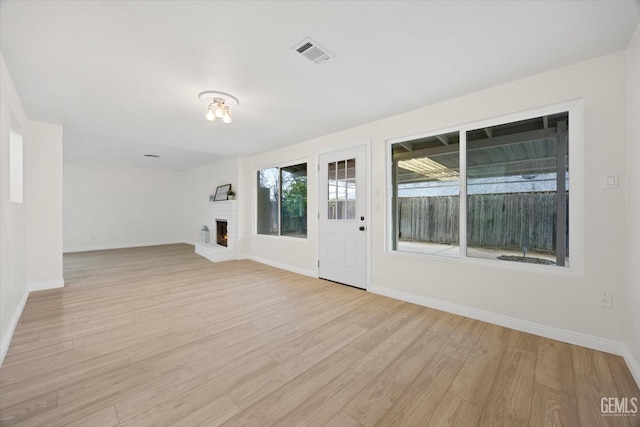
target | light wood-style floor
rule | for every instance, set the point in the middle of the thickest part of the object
(159, 336)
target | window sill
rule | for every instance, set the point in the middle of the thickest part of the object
(291, 238)
(571, 270)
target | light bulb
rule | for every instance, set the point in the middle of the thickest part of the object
(227, 115)
(210, 116)
(219, 110)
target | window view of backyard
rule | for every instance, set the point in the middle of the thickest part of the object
(282, 201)
(517, 192)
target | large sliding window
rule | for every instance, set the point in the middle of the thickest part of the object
(506, 185)
(282, 201)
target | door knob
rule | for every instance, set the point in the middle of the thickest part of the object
(361, 228)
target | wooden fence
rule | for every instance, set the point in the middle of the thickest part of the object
(502, 221)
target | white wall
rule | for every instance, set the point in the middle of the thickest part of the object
(557, 300)
(107, 206)
(44, 205)
(633, 214)
(199, 184)
(31, 231)
(13, 218)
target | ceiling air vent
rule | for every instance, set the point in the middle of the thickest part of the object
(313, 51)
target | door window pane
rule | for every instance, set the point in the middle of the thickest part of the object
(341, 187)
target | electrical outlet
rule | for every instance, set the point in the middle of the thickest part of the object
(605, 300)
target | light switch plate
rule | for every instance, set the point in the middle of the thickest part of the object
(611, 181)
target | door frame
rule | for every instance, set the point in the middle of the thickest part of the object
(366, 143)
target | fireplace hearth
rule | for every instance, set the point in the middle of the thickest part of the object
(222, 236)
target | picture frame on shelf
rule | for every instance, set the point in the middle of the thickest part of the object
(221, 192)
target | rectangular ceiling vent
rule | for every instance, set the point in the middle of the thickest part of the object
(313, 51)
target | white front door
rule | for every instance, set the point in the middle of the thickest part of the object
(343, 216)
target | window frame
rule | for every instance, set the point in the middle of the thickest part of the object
(16, 166)
(575, 109)
(279, 235)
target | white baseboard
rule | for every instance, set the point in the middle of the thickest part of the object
(42, 286)
(119, 246)
(564, 335)
(6, 340)
(632, 363)
(280, 265)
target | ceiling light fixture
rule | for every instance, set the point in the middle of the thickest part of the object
(218, 105)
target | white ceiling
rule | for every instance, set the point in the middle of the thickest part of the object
(122, 77)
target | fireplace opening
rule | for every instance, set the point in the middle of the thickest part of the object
(221, 232)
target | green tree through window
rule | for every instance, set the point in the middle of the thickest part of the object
(282, 201)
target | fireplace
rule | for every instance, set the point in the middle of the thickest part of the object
(223, 222)
(222, 236)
